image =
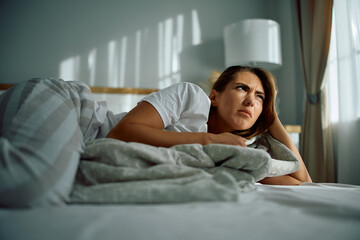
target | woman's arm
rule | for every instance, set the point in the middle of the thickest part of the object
(278, 131)
(143, 124)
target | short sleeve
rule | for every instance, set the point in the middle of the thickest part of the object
(183, 107)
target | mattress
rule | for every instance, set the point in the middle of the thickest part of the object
(309, 211)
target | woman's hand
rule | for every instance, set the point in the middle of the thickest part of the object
(227, 138)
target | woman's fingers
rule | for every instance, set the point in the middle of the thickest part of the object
(231, 139)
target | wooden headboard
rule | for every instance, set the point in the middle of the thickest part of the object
(96, 89)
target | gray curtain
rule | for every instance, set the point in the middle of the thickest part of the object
(314, 19)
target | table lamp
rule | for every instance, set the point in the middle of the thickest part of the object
(253, 42)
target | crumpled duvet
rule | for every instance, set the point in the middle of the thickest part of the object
(113, 171)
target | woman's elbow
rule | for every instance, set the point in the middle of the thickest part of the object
(119, 132)
(281, 180)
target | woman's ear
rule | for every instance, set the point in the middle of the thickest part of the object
(213, 97)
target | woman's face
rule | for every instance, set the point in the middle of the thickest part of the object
(240, 104)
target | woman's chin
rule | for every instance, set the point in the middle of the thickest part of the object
(243, 127)
(240, 131)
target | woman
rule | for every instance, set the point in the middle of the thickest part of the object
(44, 123)
(241, 106)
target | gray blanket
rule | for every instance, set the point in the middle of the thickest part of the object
(112, 171)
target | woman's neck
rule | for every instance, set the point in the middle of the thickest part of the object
(214, 124)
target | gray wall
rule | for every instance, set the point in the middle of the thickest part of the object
(138, 43)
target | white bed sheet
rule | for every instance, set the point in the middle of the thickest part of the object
(310, 211)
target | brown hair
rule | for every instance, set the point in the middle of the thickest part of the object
(268, 113)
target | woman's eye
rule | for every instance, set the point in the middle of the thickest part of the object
(241, 87)
(261, 97)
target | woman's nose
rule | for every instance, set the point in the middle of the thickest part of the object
(249, 100)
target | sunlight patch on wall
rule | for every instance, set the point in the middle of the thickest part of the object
(113, 64)
(69, 69)
(123, 61)
(170, 37)
(92, 66)
(177, 43)
(128, 59)
(117, 53)
(168, 43)
(137, 58)
(160, 50)
(195, 24)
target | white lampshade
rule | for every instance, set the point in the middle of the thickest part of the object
(254, 42)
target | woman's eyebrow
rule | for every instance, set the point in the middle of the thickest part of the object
(245, 85)
(241, 84)
(260, 92)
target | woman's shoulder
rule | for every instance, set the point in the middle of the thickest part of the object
(182, 100)
(186, 86)
(182, 90)
(183, 93)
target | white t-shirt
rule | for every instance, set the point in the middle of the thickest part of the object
(183, 107)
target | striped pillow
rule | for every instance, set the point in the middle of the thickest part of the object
(43, 125)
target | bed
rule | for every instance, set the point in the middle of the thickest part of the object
(220, 206)
(310, 211)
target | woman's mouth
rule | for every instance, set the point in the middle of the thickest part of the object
(245, 112)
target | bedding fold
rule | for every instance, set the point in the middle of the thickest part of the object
(113, 171)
